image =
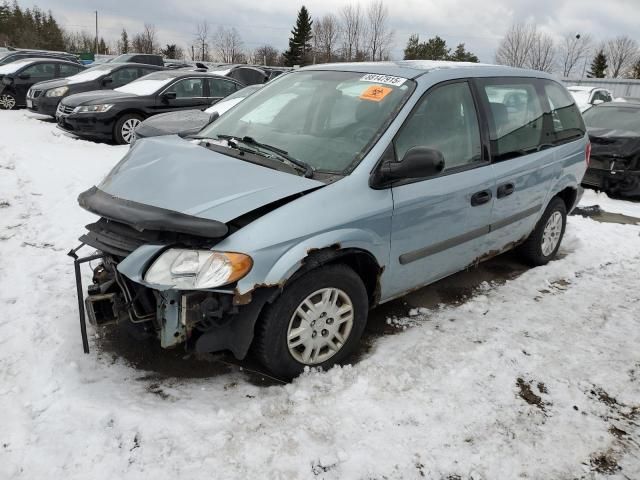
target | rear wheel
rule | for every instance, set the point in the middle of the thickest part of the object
(124, 129)
(7, 101)
(544, 242)
(317, 322)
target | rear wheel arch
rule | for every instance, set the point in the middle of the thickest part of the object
(569, 196)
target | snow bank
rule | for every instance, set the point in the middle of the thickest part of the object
(532, 379)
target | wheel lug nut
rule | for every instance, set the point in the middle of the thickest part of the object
(325, 333)
(313, 323)
(329, 321)
(314, 334)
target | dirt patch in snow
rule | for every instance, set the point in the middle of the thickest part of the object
(604, 463)
(526, 392)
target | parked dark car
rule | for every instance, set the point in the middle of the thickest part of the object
(190, 122)
(245, 74)
(13, 55)
(113, 115)
(18, 77)
(614, 130)
(44, 97)
(146, 58)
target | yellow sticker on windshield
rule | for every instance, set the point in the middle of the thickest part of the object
(375, 93)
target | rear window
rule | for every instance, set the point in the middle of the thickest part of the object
(567, 122)
(517, 116)
(613, 117)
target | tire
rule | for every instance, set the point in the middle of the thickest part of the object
(8, 101)
(554, 221)
(341, 285)
(124, 124)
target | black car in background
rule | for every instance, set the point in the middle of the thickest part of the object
(18, 77)
(245, 74)
(614, 131)
(44, 97)
(113, 115)
(13, 55)
(190, 122)
(146, 58)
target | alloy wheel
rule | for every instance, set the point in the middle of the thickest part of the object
(7, 102)
(128, 129)
(320, 326)
(551, 233)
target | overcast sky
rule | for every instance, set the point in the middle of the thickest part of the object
(478, 23)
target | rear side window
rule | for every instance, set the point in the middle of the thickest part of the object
(68, 70)
(567, 123)
(517, 117)
(220, 88)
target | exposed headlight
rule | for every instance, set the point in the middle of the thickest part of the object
(93, 108)
(197, 269)
(56, 92)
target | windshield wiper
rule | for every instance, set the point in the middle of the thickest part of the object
(308, 169)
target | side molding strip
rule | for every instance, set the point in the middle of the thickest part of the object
(466, 237)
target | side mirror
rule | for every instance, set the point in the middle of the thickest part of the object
(24, 76)
(418, 162)
(213, 117)
(106, 80)
(597, 102)
(169, 95)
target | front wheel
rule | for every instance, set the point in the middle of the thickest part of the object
(544, 242)
(124, 129)
(317, 322)
(7, 101)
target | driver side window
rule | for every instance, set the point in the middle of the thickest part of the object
(444, 119)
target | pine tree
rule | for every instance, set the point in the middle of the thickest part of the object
(300, 41)
(598, 66)
(635, 71)
(412, 50)
(123, 44)
(462, 55)
(102, 46)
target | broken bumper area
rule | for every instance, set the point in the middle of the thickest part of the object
(609, 176)
(202, 321)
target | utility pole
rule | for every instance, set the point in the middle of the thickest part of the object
(96, 49)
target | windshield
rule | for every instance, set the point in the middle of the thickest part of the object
(231, 100)
(614, 118)
(327, 119)
(580, 96)
(148, 84)
(90, 74)
(13, 67)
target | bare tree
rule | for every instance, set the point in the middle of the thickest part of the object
(542, 53)
(352, 23)
(379, 37)
(202, 40)
(325, 37)
(515, 46)
(573, 52)
(145, 42)
(266, 55)
(622, 53)
(228, 44)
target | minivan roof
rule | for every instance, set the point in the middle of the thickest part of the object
(416, 68)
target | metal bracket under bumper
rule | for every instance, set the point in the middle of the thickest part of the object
(81, 311)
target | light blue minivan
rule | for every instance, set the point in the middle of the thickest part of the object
(329, 191)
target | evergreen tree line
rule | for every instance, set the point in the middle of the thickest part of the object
(29, 28)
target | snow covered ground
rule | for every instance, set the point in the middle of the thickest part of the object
(535, 378)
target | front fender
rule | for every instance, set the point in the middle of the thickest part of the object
(293, 258)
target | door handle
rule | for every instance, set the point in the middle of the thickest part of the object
(505, 190)
(480, 198)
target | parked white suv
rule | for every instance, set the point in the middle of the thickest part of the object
(587, 97)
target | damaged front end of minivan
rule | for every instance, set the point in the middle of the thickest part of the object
(158, 267)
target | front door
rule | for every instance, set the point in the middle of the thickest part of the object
(189, 94)
(439, 224)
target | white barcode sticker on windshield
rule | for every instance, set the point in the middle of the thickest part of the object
(386, 79)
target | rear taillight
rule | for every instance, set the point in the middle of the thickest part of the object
(587, 153)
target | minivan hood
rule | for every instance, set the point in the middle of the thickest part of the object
(175, 174)
(96, 97)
